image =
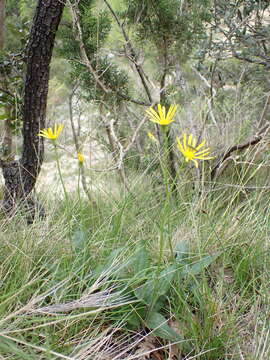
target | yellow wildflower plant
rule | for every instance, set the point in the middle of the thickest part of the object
(51, 134)
(80, 158)
(191, 150)
(151, 137)
(160, 117)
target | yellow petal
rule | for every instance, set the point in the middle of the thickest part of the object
(161, 112)
(201, 145)
(180, 146)
(203, 152)
(153, 115)
(171, 112)
(205, 158)
(185, 141)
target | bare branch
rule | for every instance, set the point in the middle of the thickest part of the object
(120, 165)
(249, 60)
(87, 63)
(128, 98)
(243, 146)
(134, 136)
(132, 54)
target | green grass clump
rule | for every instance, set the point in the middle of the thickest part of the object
(102, 284)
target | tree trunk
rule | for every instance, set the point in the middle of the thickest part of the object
(2, 23)
(20, 176)
(7, 139)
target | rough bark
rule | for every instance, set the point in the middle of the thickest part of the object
(7, 139)
(2, 23)
(20, 176)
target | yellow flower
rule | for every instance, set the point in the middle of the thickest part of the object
(80, 158)
(51, 134)
(190, 149)
(160, 117)
(152, 137)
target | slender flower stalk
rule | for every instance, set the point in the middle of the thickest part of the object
(165, 118)
(59, 171)
(53, 135)
(81, 159)
(192, 151)
(160, 117)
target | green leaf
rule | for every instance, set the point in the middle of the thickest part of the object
(146, 291)
(108, 263)
(79, 239)
(134, 319)
(165, 279)
(182, 252)
(4, 116)
(157, 286)
(199, 266)
(157, 322)
(141, 260)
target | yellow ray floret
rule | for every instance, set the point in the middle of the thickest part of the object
(51, 134)
(191, 151)
(160, 117)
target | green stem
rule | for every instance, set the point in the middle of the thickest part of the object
(164, 164)
(59, 171)
(164, 161)
(78, 185)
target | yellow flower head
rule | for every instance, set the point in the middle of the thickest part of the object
(192, 151)
(80, 158)
(51, 134)
(152, 137)
(160, 117)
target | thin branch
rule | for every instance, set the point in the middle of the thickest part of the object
(134, 136)
(7, 92)
(128, 98)
(79, 36)
(249, 60)
(266, 104)
(243, 146)
(213, 94)
(85, 61)
(132, 54)
(120, 165)
(118, 143)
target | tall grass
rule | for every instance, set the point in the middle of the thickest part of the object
(105, 285)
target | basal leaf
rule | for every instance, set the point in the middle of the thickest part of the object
(182, 252)
(79, 239)
(199, 266)
(140, 260)
(157, 322)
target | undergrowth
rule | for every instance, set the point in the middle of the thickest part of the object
(188, 275)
